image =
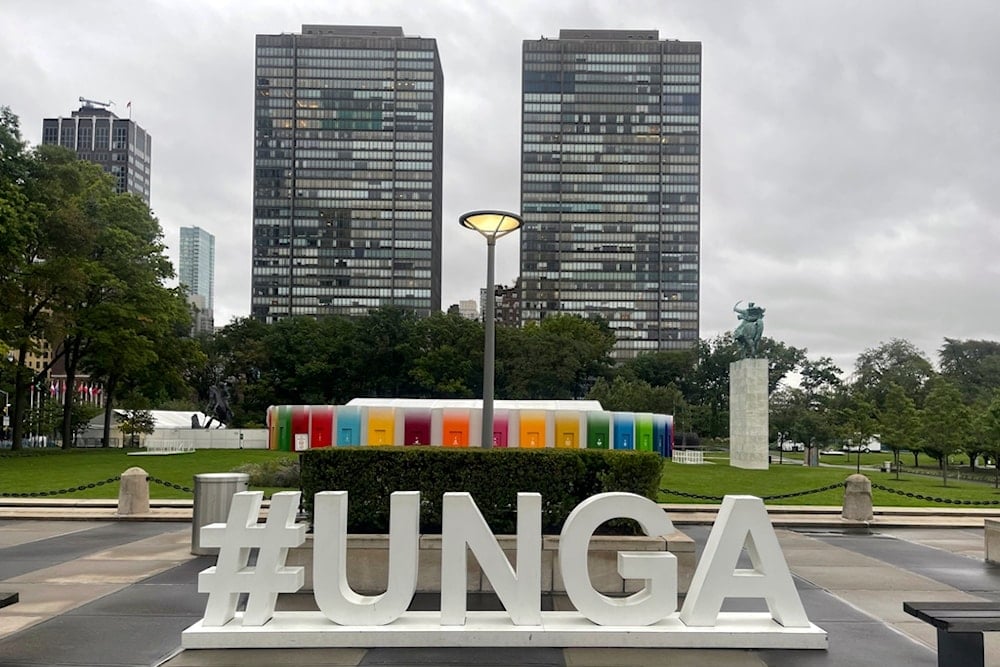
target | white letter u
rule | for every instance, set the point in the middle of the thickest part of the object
(334, 595)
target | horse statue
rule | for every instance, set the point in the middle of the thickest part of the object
(750, 328)
(218, 406)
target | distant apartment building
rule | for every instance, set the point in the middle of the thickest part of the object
(469, 309)
(196, 272)
(347, 172)
(610, 184)
(507, 304)
(97, 135)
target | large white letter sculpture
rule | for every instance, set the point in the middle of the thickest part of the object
(742, 520)
(334, 595)
(657, 599)
(520, 592)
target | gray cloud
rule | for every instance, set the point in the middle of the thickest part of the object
(849, 148)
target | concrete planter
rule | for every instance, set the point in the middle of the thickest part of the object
(368, 561)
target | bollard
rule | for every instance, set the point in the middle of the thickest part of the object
(213, 494)
(858, 499)
(133, 492)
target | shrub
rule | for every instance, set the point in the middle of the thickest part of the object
(494, 477)
(279, 472)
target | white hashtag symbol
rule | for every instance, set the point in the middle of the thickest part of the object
(232, 575)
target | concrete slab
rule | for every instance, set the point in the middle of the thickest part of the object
(51, 599)
(148, 600)
(494, 657)
(307, 657)
(173, 545)
(13, 533)
(89, 640)
(867, 578)
(887, 605)
(91, 571)
(637, 657)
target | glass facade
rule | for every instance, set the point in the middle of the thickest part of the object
(610, 184)
(196, 268)
(347, 172)
(87, 132)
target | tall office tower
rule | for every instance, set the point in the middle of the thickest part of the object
(347, 172)
(610, 159)
(97, 135)
(196, 272)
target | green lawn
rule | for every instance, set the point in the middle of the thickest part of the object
(53, 470)
(718, 479)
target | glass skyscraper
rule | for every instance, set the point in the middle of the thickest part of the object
(97, 135)
(196, 272)
(347, 172)
(610, 184)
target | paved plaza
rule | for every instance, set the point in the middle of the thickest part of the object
(120, 593)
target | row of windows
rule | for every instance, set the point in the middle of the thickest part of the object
(395, 78)
(602, 222)
(362, 54)
(359, 86)
(602, 191)
(573, 56)
(264, 201)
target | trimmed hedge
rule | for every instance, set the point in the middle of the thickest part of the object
(564, 478)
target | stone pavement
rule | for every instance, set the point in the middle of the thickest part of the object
(120, 593)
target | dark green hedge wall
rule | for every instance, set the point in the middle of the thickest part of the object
(564, 477)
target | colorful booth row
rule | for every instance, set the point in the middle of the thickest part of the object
(302, 427)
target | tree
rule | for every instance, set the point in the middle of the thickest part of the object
(122, 272)
(803, 413)
(973, 366)
(858, 421)
(987, 425)
(134, 421)
(661, 369)
(897, 361)
(387, 352)
(558, 358)
(945, 422)
(820, 377)
(638, 396)
(899, 424)
(47, 226)
(449, 362)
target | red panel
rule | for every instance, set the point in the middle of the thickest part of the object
(417, 427)
(322, 425)
(300, 424)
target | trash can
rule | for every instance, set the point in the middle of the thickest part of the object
(213, 494)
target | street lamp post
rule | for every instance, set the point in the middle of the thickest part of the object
(492, 225)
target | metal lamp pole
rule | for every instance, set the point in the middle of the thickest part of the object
(492, 225)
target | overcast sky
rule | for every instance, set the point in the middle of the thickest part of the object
(851, 149)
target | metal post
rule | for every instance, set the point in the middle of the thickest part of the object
(489, 349)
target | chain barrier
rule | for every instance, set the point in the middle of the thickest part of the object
(780, 496)
(72, 489)
(169, 485)
(947, 501)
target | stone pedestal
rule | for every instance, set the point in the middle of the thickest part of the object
(133, 493)
(748, 414)
(858, 499)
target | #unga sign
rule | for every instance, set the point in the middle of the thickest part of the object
(647, 618)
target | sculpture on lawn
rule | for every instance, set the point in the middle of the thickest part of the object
(749, 331)
(218, 406)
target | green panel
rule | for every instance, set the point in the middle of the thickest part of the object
(284, 428)
(598, 430)
(644, 433)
